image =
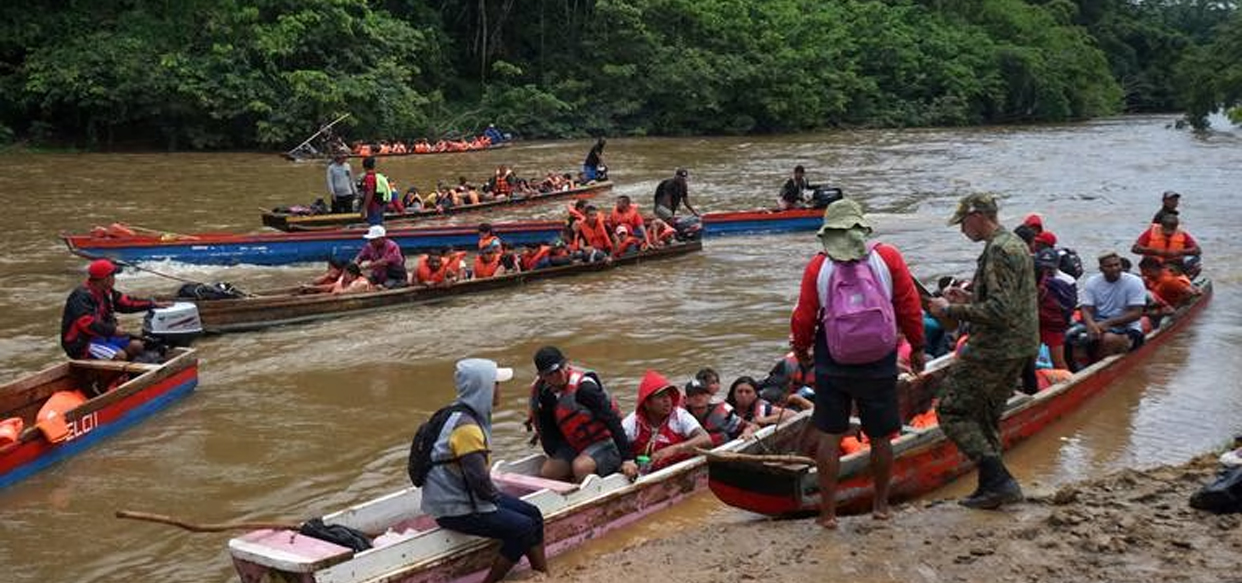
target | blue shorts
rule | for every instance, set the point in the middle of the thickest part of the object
(107, 348)
(375, 217)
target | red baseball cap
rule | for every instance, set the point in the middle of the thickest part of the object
(1047, 238)
(101, 268)
(1033, 220)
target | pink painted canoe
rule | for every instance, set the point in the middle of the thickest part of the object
(421, 552)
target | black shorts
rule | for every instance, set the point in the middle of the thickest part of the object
(876, 398)
(607, 458)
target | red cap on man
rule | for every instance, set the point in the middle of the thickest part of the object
(101, 268)
(1034, 220)
(1046, 238)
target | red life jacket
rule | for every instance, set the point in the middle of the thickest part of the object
(631, 219)
(649, 441)
(625, 242)
(715, 421)
(798, 375)
(575, 214)
(577, 424)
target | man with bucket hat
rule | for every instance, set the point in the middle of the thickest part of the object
(1002, 312)
(854, 299)
(88, 325)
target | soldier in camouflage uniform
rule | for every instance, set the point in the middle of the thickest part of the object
(1004, 334)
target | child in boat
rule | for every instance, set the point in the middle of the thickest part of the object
(352, 282)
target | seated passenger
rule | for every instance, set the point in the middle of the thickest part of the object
(661, 233)
(626, 242)
(1166, 241)
(717, 419)
(433, 271)
(1057, 300)
(659, 428)
(333, 273)
(626, 213)
(1167, 282)
(351, 281)
(412, 201)
(576, 421)
(744, 398)
(790, 383)
(1112, 303)
(487, 235)
(595, 238)
(487, 263)
(710, 379)
(383, 258)
(536, 257)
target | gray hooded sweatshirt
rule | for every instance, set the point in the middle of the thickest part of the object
(448, 490)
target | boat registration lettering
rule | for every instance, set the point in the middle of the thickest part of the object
(82, 425)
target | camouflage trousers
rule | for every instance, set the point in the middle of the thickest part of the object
(972, 400)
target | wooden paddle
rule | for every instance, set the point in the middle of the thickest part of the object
(207, 527)
(749, 457)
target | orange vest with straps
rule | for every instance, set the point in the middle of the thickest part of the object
(485, 241)
(484, 268)
(596, 235)
(1158, 240)
(530, 260)
(502, 183)
(425, 275)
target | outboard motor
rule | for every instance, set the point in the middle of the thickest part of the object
(825, 195)
(688, 228)
(177, 325)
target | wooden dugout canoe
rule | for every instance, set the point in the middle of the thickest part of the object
(291, 222)
(286, 306)
(143, 389)
(924, 459)
(302, 247)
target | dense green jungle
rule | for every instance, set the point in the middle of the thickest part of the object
(263, 74)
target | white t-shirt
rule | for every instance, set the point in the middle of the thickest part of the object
(1111, 299)
(680, 422)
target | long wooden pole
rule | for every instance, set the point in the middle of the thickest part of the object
(750, 457)
(204, 527)
(316, 134)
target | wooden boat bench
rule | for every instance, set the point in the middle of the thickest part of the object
(519, 484)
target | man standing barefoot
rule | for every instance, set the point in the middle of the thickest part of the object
(854, 298)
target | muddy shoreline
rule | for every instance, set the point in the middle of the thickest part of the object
(1131, 525)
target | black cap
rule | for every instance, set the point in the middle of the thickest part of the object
(681, 172)
(695, 387)
(548, 360)
(1170, 194)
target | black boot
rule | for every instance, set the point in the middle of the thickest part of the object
(996, 486)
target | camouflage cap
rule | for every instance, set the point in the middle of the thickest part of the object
(979, 202)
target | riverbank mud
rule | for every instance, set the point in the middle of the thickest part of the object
(1131, 525)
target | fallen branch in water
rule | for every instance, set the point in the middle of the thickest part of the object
(210, 527)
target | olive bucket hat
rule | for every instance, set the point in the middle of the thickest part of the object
(845, 231)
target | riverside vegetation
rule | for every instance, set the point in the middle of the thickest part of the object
(215, 74)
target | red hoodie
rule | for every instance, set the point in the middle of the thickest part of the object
(649, 439)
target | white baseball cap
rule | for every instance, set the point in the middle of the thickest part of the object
(375, 232)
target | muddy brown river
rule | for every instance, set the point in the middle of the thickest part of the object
(299, 421)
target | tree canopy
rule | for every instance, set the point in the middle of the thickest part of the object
(206, 74)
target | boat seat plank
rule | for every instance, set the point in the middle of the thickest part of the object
(117, 365)
(288, 551)
(532, 483)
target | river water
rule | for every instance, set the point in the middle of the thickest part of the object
(299, 421)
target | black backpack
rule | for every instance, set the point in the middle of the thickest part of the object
(202, 291)
(420, 462)
(336, 534)
(1070, 263)
(1222, 496)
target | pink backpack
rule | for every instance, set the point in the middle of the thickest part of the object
(856, 299)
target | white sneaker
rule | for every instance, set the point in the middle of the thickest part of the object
(1232, 458)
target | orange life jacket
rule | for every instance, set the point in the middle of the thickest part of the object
(484, 268)
(596, 235)
(487, 240)
(51, 417)
(502, 183)
(631, 219)
(1158, 240)
(10, 430)
(425, 275)
(575, 214)
(530, 260)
